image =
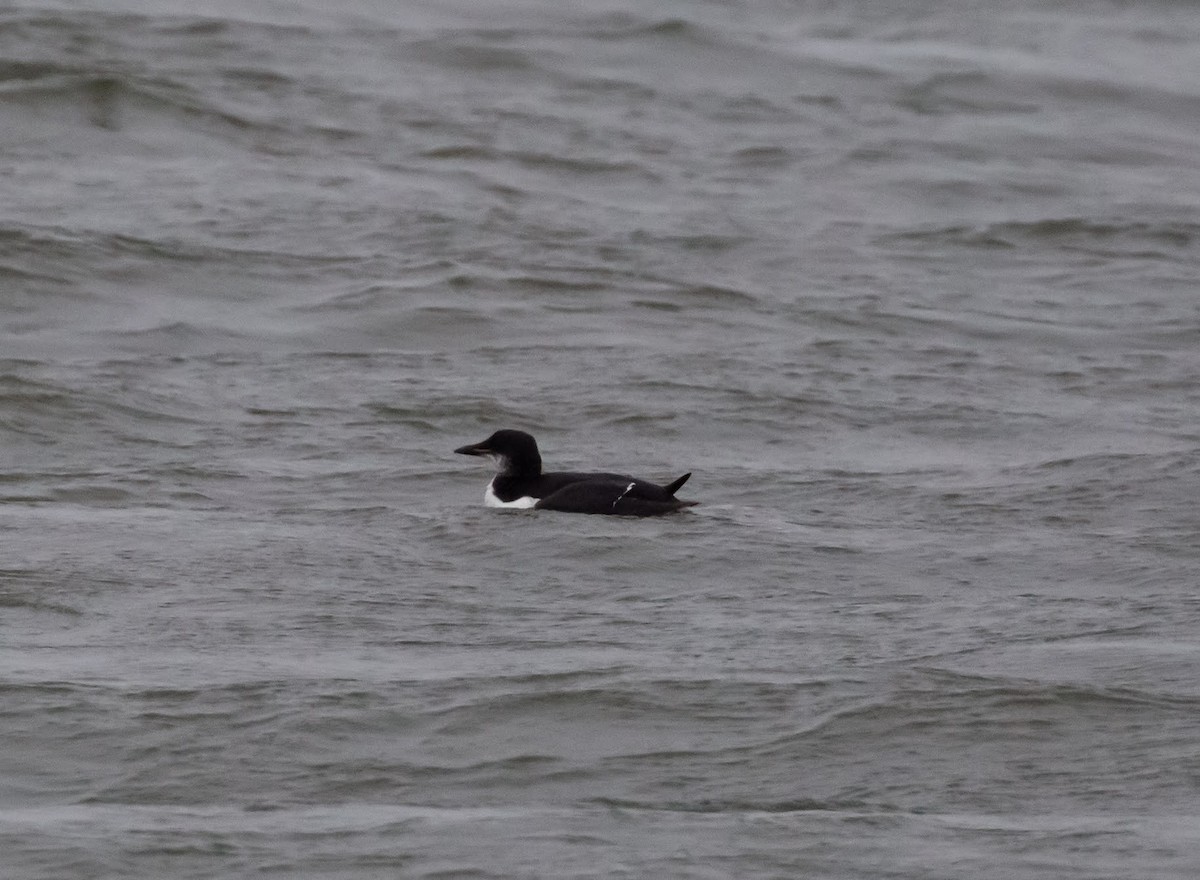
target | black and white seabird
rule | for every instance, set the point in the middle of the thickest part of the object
(521, 483)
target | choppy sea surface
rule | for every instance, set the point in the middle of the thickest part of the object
(912, 288)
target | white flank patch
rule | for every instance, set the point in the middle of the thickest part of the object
(490, 499)
(623, 494)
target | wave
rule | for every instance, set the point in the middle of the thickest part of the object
(136, 87)
(1097, 236)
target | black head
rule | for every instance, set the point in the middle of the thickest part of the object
(515, 451)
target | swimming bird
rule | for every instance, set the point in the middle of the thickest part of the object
(520, 482)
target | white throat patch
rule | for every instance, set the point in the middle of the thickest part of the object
(490, 499)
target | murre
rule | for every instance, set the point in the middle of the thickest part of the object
(520, 482)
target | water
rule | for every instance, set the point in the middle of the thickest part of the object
(913, 291)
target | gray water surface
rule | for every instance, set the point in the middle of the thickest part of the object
(912, 291)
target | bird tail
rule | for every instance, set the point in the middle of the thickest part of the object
(673, 486)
